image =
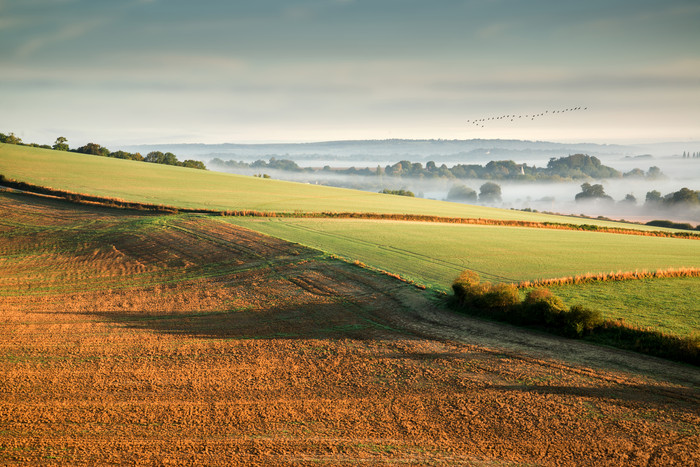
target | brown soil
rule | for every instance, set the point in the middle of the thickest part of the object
(130, 338)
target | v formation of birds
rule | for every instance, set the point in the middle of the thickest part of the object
(481, 122)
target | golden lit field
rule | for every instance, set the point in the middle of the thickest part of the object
(131, 338)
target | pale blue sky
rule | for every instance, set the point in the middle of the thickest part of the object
(156, 71)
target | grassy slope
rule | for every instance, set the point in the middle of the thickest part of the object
(669, 305)
(434, 254)
(178, 186)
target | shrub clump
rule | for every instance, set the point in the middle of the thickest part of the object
(542, 307)
(496, 300)
(580, 321)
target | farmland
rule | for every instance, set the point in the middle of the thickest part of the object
(431, 254)
(148, 337)
(186, 188)
(437, 253)
(506, 254)
(145, 338)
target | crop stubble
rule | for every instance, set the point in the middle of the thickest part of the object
(176, 339)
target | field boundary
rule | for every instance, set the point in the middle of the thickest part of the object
(82, 198)
(611, 276)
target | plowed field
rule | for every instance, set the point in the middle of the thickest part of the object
(133, 338)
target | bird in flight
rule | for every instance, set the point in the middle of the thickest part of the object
(513, 117)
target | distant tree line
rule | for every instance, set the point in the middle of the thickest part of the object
(573, 167)
(400, 192)
(155, 157)
(11, 138)
(682, 197)
(95, 149)
(274, 163)
(685, 197)
(689, 155)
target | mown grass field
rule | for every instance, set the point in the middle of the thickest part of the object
(191, 188)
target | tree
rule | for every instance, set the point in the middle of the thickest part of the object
(126, 155)
(683, 196)
(194, 164)
(581, 166)
(490, 192)
(653, 197)
(461, 193)
(654, 173)
(94, 149)
(634, 173)
(158, 157)
(592, 192)
(60, 144)
(10, 139)
(629, 199)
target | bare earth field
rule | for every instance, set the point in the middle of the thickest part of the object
(139, 338)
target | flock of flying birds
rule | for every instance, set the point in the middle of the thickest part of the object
(481, 122)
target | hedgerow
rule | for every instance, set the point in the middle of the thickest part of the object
(544, 310)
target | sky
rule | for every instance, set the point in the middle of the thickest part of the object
(214, 71)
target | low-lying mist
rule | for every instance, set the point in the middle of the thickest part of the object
(628, 194)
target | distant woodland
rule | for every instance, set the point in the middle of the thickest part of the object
(573, 167)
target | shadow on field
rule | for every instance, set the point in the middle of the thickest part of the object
(307, 321)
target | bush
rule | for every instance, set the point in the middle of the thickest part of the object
(400, 192)
(464, 282)
(579, 321)
(469, 290)
(501, 298)
(672, 225)
(541, 306)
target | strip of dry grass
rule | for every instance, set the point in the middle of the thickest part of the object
(611, 276)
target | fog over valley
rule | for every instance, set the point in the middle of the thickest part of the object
(366, 165)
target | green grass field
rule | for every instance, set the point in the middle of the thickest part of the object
(434, 254)
(191, 188)
(670, 305)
